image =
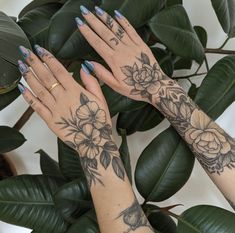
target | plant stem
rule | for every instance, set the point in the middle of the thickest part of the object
(23, 119)
(189, 76)
(219, 51)
(225, 42)
(207, 64)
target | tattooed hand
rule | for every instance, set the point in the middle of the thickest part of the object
(83, 123)
(135, 72)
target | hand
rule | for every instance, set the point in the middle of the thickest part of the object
(78, 116)
(135, 71)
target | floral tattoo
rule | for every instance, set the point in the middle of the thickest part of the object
(213, 147)
(92, 139)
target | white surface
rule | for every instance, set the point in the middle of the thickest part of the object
(199, 189)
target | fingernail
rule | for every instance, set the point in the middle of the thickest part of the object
(85, 69)
(21, 88)
(79, 21)
(89, 65)
(99, 11)
(118, 14)
(25, 52)
(39, 50)
(84, 10)
(23, 67)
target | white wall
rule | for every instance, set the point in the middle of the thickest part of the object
(199, 190)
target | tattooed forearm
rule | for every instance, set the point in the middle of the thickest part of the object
(134, 217)
(92, 139)
(214, 148)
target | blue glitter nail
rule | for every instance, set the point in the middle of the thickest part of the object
(79, 21)
(23, 67)
(89, 65)
(25, 52)
(84, 10)
(85, 69)
(39, 50)
(21, 88)
(99, 11)
(118, 14)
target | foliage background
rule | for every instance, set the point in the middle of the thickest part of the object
(197, 191)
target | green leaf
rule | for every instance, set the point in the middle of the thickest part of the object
(139, 12)
(119, 103)
(217, 90)
(193, 91)
(125, 154)
(161, 169)
(160, 221)
(10, 139)
(49, 166)
(110, 6)
(69, 162)
(202, 35)
(27, 201)
(141, 119)
(35, 23)
(172, 26)
(65, 40)
(173, 2)
(85, 224)
(182, 63)
(224, 10)
(204, 218)
(73, 199)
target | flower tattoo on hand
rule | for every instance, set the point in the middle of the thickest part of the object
(93, 140)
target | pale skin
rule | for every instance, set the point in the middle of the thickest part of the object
(79, 116)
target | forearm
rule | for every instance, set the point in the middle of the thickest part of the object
(212, 146)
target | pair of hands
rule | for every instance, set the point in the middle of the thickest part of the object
(80, 116)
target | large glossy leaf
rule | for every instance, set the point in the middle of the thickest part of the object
(162, 169)
(8, 98)
(49, 166)
(141, 119)
(69, 162)
(172, 26)
(224, 10)
(110, 6)
(27, 201)
(204, 218)
(119, 103)
(173, 2)
(35, 23)
(65, 40)
(10, 139)
(202, 35)
(217, 90)
(73, 199)
(139, 12)
(160, 221)
(85, 224)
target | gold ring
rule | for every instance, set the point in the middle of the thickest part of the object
(53, 86)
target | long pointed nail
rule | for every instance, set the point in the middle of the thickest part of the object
(89, 65)
(21, 88)
(85, 69)
(25, 52)
(84, 10)
(118, 14)
(23, 67)
(99, 11)
(79, 21)
(39, 50)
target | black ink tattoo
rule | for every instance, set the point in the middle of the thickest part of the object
(213, 147)
(120, 32)
(134, 217)
(115, 40)
(109, 21)
(92, 139)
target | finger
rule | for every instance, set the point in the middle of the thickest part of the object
(91, 84)
(101, 29)
(94, 40)
(102, 73)
(56, 68)
(35, 103)
(41, 71)
(128, 28)
(39, 90)
(113, 25)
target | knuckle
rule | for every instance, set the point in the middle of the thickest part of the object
(41, 93)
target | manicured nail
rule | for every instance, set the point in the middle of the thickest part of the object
(99, 11)
(39, 50)
(21, 88)
(89, 65)
(25, 52)
(85, 69)
(79, 21)
(23, 67)
(118, 14)
(84, 10)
